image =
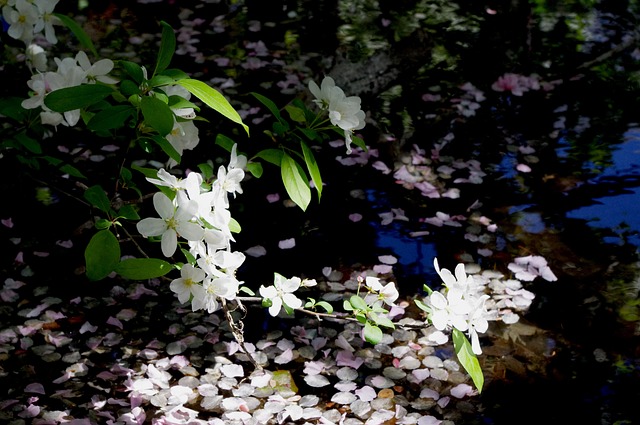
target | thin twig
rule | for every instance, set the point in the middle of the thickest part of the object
(237, 329)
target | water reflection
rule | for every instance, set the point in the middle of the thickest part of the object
(619, 212)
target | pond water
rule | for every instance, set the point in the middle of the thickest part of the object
(575, 201)
(556, 167)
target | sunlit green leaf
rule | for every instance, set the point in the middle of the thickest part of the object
(295, 183)
(255, 168)
(234, 226)
(77, 97)
(176, 102)
(372, 333)
(274, 156)
(382, 321)
(358, 303)
(101, 255)
(312, 167)
(467, 358)
(143, 268)
(213, 99)
(325, 305)
(422, 306)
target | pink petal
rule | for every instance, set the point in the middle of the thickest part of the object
(287, 243)
(35, 387)
(115, 322)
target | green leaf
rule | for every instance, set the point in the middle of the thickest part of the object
(129, 212)
(133, 70)
(29, 143)
(167, 147)
(12, 107)
(225, 142)
(111, 117)
(422, 306)
(175, 74)
(310, 116)
(325, 305)
(372, 333)
(310, 134)
(234, 226)
(176, 102)
(213, 99)
(143, 268)
(72, 171)
(77, 30)
(147, 172)
(98, 198)
(274, 156)
(101, 255)
(280, 128)
(359, 143)
(157, 114)
(296, 185)
(255, 168)
(103, 223)
(358, 303)
(382, 321)
(246, 290)
(467, 358)
(312, 166)
(160, 81)
(206, 170)
(269, 104)
(128, 88)
(167, 48)
(346, 305)
(296, 114)
(78, 97)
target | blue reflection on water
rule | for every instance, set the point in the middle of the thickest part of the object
(615, 212)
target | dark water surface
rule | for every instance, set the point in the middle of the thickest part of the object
(575, 357)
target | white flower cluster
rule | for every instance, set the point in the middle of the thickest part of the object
(473, 297)
(344, 112)
(27, 18)
(184, 135)
(200, 215)
(461, 306)
(281, 293)
(71, 72)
